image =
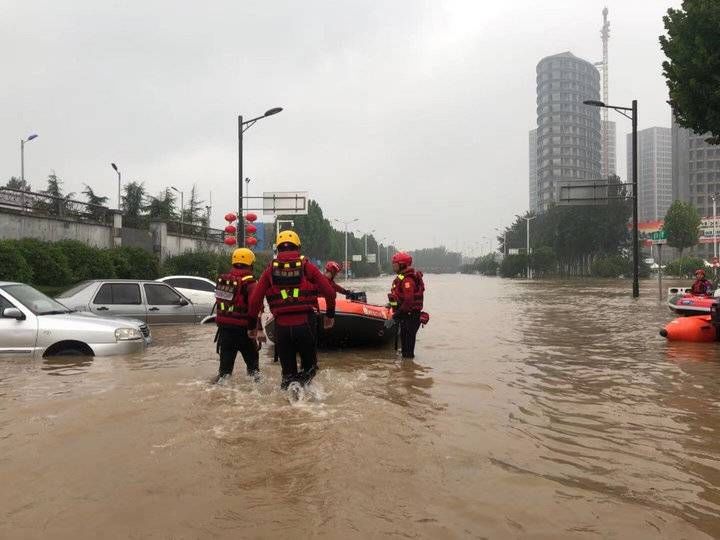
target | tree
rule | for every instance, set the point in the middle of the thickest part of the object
(16, 183)
(96, 210)
(194, 211)
(682, 223)
(162, 206)
(59, 204)
(692, 71)
(133, 203)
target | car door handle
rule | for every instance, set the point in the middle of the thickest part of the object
(103, 308)
(154, 309)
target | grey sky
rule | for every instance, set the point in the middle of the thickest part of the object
(412, 116)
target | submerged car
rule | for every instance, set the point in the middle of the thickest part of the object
(149, 301)
(35, 325)
(199, 290)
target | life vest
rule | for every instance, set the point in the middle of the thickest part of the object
(701, 287)
(231, 299)
(397, 294)
(290, 290)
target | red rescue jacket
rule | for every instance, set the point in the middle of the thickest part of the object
(702, 286)
(291, 285)
(232, 292)
(407, 291)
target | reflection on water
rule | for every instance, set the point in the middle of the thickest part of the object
(532, 409)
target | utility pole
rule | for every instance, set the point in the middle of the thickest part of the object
(527, 243)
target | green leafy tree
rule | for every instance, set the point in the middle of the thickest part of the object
(133, 203)
(194, 211)
(163, 206)
(59, 204)
(542, 261)
(682, 223)
(692, 70)
(16, 183)
(97, 210)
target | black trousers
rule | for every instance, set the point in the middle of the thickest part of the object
(234, 339)
(293, 340)
(409, 326)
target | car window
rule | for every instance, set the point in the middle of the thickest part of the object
(34, 300)
(74, 290)
(175, 282)
(200, 285)
(118, 293)
(160, 295)
(4, 304)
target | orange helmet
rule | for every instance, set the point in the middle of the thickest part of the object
(332, 267)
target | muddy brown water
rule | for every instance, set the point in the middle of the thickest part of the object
(541, 410)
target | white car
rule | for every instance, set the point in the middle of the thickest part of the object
(35, 325)
(199, 290)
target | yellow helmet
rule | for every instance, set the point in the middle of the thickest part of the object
(243, 256)
(288, 236)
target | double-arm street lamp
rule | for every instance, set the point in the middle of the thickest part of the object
(22, 155)
(633, 116)
(346, 223)
(243, 126)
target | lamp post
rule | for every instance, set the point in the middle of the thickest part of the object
(633, 116)
(243, 126)
(527, 242)
(182, 206)
(22, 155)
(714, 197)
(346, 223)
(119, 183)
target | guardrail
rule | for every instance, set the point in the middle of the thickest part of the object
(195, 231)
(42, 204)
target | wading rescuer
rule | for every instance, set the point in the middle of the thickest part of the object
(232, 293)
(291, 285)
(331, 270)
(701, 285)
(406, 299)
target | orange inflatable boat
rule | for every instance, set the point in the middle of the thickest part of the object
(694, 328)
(357, 324)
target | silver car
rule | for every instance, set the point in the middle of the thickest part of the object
(34, 325)
(149, 301)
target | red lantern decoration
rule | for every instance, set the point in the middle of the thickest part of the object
(230, 240)
(230, 229)
(230, 217)
(251, 241)
(250, 229)
(250, 217)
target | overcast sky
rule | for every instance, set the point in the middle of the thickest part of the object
(411, 116)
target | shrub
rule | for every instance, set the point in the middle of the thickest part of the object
(87, 262)
(13, 266)
(611, 266)
(514, 266)
(48, 262)
(684, 266)
(206, 264)
(134, 263)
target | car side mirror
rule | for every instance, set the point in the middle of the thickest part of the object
(183, 302)
(13, 313)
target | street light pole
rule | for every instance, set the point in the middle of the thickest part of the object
(22, 156)
(243, 126)
(346, 223)
(119, 184)
(527, 243)
(633, 116)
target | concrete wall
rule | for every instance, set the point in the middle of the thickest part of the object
(168, 245)
(15, 226)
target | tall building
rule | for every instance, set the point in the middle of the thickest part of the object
(695, 174)
(532, 168)
(568, 132)
(654, 172)
(611, 150)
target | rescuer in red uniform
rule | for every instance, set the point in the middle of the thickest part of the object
(331, 270)
(701, 285)
(291, 285)
(232, 292)
(406, 299)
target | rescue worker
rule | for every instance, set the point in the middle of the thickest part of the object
(406, 299)
(232, 293)
(331, 270)
(291, 285)
(701, 285)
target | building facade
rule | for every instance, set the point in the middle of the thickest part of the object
(532, 169)
(569, 134)
(695, 175)
(654, 172)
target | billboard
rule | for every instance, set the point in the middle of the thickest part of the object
(648, 230)
(357, 258)
(371, 258)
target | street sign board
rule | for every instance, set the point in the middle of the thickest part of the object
(660, 242)
(285, 203)
(513, 251)
(357, 258)
(371, 258)
(658, 235)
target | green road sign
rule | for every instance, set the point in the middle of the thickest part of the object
(658, 235)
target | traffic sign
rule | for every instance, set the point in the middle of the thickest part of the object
(658, 235)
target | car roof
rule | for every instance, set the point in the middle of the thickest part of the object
(9, 283)
(184, 277)
(113, 280)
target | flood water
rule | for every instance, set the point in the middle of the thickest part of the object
(541, 410)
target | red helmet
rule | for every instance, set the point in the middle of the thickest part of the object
(700, 272)
(402, 258)
(332, 267)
